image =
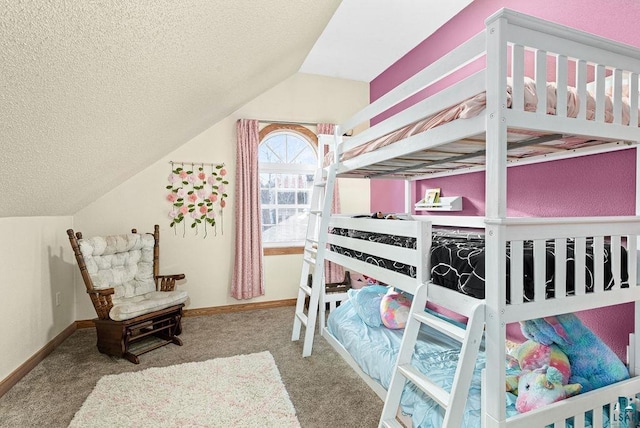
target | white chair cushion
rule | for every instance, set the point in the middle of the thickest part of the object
(131, 307)
(124, 262)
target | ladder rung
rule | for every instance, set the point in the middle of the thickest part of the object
(302, 317)
(441, 325)
(431, 389)
(391, 423)
(306, 289)
(310, 260)
(316, 212)
(320, 184)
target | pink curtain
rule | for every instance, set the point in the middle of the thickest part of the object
(247, 280)
(332, 272)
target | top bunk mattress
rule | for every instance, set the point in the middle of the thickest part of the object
(457, 261)
(470, 151)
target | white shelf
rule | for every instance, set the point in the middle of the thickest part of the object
(445, 203)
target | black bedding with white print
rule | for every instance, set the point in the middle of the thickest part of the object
(458, 261)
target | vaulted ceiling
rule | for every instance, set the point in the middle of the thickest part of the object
(92, 92)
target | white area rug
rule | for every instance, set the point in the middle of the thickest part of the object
(239, 391)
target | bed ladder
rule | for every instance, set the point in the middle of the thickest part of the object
(452, 402)
(313, 257)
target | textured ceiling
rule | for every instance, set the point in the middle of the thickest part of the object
(92, 92)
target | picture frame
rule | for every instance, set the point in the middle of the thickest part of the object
(432, 196)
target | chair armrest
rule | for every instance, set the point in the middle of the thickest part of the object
(102, 301)
(167, 282)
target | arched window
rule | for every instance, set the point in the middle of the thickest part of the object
(287, 158)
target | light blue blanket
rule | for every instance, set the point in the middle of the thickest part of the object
(375, 349)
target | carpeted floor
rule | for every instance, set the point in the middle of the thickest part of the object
(323, 388)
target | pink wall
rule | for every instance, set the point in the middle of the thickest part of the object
(593, 185)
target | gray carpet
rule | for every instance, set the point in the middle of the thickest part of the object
(323, 388)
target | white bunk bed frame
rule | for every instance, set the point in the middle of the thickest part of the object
(518, 33)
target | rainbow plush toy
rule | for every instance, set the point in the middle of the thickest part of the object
(543, 376)
(561, 358)
(532, 355)
(593, 363)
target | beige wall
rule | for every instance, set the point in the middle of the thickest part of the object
(140, 202)
(36, 263)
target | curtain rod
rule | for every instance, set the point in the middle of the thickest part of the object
(288, 122)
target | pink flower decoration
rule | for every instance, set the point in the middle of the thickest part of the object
(197, 203)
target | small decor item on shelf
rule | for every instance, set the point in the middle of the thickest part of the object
(197, 195)
(432, 196)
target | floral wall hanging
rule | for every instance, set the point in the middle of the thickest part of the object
(197, 196)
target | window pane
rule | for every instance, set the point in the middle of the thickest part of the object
(308, 156)
(286, 198)
(268, 218)
(286, 214)
(295, 145)
(267, 181)
(266, 155)
(273, 149)
(303, 198)
(267, 196)
(278, 145)
(292, 227)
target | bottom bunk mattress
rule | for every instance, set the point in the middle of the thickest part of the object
(375, 350)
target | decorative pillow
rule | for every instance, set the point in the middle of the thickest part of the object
(366, 302)
(394, 309)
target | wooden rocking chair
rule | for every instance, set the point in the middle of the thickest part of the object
(138, 309)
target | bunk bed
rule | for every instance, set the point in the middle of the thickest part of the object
(476, 123)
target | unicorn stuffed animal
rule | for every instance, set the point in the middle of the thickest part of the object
(543, 376)
(542, 386)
